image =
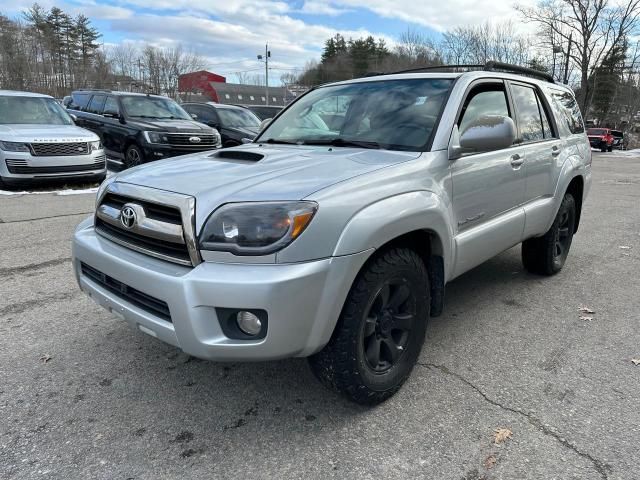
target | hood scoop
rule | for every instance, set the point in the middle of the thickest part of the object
(240, 155)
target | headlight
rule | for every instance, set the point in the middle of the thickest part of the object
(254, 228)
(14, 146)
(156, 137)
(95, 146)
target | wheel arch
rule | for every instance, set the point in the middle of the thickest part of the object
(415, 220)
(576, 189)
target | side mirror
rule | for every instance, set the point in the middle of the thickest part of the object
(194, 116)
(265, 123)
(486, 133)
(73, 117)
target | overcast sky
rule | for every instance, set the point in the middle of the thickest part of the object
(230, 33)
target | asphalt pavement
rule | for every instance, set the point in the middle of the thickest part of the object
(512, 383)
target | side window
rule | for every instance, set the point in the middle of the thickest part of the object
(79, 101)
(569, 111)
(482, 101)
(545, 121)
(111, 106)
(528, 111)
(96, 103)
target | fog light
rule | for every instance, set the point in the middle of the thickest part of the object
(248, 323)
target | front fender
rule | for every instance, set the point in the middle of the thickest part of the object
(389, 218)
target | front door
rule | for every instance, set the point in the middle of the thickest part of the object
(488, 187)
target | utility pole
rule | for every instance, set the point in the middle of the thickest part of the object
(267, 55)
(566, 65)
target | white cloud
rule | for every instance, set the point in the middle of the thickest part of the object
(438, 15)
(319, 7)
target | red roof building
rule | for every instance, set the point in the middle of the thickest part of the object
(200, 82)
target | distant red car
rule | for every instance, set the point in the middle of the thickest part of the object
(601, 138)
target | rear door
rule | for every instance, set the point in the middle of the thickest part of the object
(488, 187)
(537, 135)
(94, 120)
(113, 132)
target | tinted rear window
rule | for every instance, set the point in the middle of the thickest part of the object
(596, 131)
(568, 112)
(79, 101)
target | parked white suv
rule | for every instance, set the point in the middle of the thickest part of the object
(39, 141)
(332, 235)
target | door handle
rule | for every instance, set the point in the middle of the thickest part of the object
(516, 161)
(555, 150)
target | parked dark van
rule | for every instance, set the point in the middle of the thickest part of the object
(138, 128)
(234, 123)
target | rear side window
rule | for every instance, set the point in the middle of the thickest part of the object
(95, 106)
(482, 101)
(79, 101)
(111, 106)
(528, 112)
(567, 111)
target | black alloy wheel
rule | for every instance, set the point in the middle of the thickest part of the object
(388, 324)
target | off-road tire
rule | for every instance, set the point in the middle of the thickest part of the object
(547, 255)
(133, 156)
(344, 364)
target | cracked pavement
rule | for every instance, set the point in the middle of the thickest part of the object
(84, 396)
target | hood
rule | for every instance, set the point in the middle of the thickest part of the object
(283, 172)
(168, 125)
(45, 133)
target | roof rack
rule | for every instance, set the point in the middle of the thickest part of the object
(94, 90)
(490, 66)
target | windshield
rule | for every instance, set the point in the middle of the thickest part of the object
(389, 114)
(238, 118)
(596, 131)
(32, 111)
(153, 107)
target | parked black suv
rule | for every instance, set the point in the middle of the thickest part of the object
(234, 123)
(138, 128)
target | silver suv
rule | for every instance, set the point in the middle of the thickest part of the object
(39, 141)
(332, 235)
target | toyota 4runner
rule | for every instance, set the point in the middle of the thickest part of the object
(332, 235)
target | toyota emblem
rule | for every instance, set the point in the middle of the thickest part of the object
(194, 139)
(128, 217)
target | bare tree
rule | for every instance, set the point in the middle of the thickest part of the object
(588, 29)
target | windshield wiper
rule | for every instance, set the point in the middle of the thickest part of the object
(284, 142)
(155, 117)
(342, 142)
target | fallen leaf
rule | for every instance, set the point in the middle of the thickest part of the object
(45, 358)
(635, 361)
(626, 254)
(586, 319)
(490, 462)
(501, 435)
(586, 310)
(624, 247)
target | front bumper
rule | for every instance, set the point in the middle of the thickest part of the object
(19, 167)
(303, 300)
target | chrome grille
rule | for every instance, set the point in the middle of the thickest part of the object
(19, 166)
(150, 227)
(184, 140)
(59, 149)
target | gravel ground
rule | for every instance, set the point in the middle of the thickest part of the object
(83, 396)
